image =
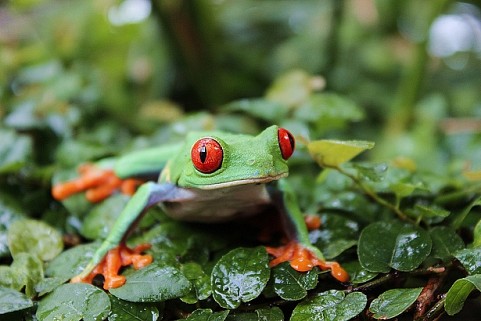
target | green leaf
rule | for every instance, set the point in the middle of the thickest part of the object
(12, 300)
(336, 235)
(292, 285)
(240, 276)
(459, 292)
(445, 242)
(153, 283)
(357, 274)
(386, 245)
(458, 221)
(29, 269)
(470, 259)
(329, 111)
(332, 153)
(15, 150)
(393, 302)
(34, 237)
(429, 211)
(11, 211)
(477, 235)
(270, 314)
(331, 305)
(74, 302)
(207, 315)
(71, 262)
(201, 287)
(131, 311)
(102, 217)
(260, 108)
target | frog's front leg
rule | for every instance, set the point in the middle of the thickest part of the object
(100, 180)
(299, 251)
(113, 253)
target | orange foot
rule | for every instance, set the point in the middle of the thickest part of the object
(97, 183)
(313, 222)
(115, 259)
(303, 260)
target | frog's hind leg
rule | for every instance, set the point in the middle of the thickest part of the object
(299, 252)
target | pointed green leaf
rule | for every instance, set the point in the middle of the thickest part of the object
(153, 283)
(34, 237)
(393, 302)
(132, 311)
(74, 302)
(386, 245)
(332, 305)
(332, 153)
(357, 274)
(240, 276)
(459, 292)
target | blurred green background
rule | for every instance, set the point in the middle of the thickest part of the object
(411, 68)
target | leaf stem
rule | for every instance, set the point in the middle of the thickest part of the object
(369, 192)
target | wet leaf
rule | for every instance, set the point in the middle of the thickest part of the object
(153, 283)
(74, 302)
(12, 300)
(240, 276)
(332, 153)
(445, 242)
(129, 311)
(393, 302)
(470, 259)
(201, 287)
(34, 237)
(71, 262)
(459, 292)
(386, 245)
(207, 315)
(336, 235)
(357, 273)
(292, 285)
(29, 269)
(332, 305)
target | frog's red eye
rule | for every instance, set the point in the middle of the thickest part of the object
(207, 155)
(286, 142)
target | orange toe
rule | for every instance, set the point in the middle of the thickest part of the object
(303, 260)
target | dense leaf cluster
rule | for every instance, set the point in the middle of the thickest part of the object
(389, 165)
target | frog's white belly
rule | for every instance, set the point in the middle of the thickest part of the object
(218, 205)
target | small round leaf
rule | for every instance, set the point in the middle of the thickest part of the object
(332, 305)
(34, 237)
(153, 283)
(393, 302)
(240, 276)
(332, 153)
(386, 245)
(74, 302)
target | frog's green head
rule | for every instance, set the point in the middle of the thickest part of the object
(216, 159)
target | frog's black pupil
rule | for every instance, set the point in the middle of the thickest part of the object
(291, 141)
(203, 153)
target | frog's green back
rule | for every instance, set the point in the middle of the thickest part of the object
(245, 159)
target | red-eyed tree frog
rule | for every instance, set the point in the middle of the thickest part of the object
(211, 177)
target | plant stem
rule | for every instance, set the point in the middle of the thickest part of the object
(378, 199)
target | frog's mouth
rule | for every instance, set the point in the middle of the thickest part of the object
(257, 180)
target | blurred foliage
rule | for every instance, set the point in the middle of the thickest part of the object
(81, 80)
